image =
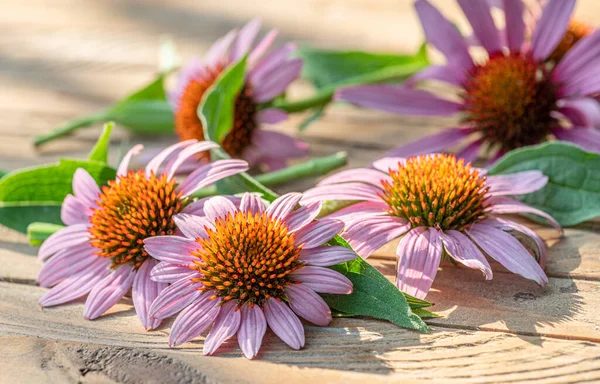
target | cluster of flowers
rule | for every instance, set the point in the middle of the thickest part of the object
(235, 265)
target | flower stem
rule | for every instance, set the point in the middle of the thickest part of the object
(37, 233)
(313, 167)
(70, 127)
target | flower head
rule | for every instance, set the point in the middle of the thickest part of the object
(511, 99)
(267, 76)
(100, 253)
(242, 267)
(437, 205)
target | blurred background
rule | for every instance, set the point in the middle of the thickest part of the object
(60, 59)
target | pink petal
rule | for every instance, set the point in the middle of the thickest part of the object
(269, 63)
(172, 249)
(185, 154)
(446, 73)
(244, 40)
(216, 53)
(194, 320)
(251, 202)
(219, 207)
(210, 173)
(462, 249)
(277, 81)
(175, 297)
(65, 264)
(551, 27)
(397, 99)
(108, 291)
(419, 254)
(73, 211)
(197, 207)
(501, 204)
(508, 225)
(359, 211)
(303, 216)
(85, 188)
(67, 237)
(165, 272)
(225, 326)
(470, 152)
(278, 145)
(480, 18)
(507, 250)
(327, 255)
(515, 26)
(77, 285)
(582, 112)
(271, 116)
(358, 175)
(192, 226)
(345, 191)
(283, 205)
(517, 183)
(284, 323)
(308, 305)
(124, 165)
(262, 47)
(253, 326)
(432, 143)
(373, 232)
(579, 67)
(387, 164)
(162, 156)
(318, 233)
(324, 280)
(586, 138)
(144, 291)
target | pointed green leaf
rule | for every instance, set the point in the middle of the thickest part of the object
(100, 151)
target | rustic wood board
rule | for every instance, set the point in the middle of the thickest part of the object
(63, 58)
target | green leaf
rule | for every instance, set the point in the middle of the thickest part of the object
(325, 68)
(218, 103)
(3, 173)
(37, 233)
(572, 194)
(100, 151)
(36, 194)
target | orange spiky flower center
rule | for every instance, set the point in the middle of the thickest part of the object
(130, 209)
(509, 99)
(188, 125)
(436, 191)
(575, 32)
(248, 257)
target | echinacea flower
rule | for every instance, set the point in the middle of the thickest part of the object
(241, 269)
(267, 76)
(510, 100)
(100, 252)
(439, 206)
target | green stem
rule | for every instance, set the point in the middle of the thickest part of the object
(70, 127)
(325, 95)
(37, 233)
(313, 167)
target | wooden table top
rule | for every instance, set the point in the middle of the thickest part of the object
(63, 58)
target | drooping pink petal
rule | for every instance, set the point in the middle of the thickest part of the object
(85, 188)
(447, 73)
(186, 153)
(225, 326)
(108, 291)
(345, 191)
(586, 138)
(323, 280)
(359, 211)
(253, 326)
(251, 202)
(70, 236)
(303, 216)
(283, 205)
(443, 35)
(175, 297)
(579, 67)
(507, 250)
(308, 305)
(144, 291)
(277, 81)
(210, 173)
(165, 272)
(242, 43)
(397, 99)
(515, 25)
(470, 152)
(518, 183)
(462, 249)
(271, 116)
(218, 207)
(197, 207)
(582, 112)
(480, 18)
(194, 319)
(385, 164)
(216, 53)
(419, 254)
(268, 63)
(77, 285)
(373, 232)
(272, 164)
(65, 264)
(437, 142)
(284, 323)
(167, 153)
(73, 211)
(326, 256)
(124, 165)
(358, 175)
(262, 47)
(172, 249)
(502, 204)
(318, 233)
(191, 70)
(278, 145)
(551, 27)
(192, 226)
(509, 225)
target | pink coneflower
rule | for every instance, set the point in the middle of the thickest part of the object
(240, 270)
(267, 76)
(439, 206)
(101, 252)
(510, 100)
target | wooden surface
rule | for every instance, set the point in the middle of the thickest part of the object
(63, 58)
